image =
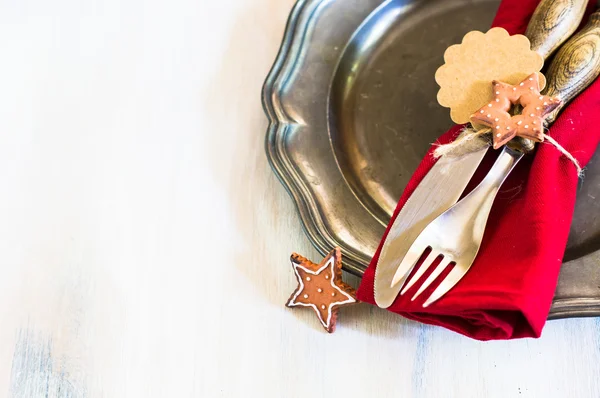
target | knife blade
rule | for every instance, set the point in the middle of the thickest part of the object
(552, 23)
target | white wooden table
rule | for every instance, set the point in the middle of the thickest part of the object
(144, 241)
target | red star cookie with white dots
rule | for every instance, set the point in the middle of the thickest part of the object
(320, 287)
(529, 124)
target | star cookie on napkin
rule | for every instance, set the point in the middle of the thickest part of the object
(529, 124)
(321, 288)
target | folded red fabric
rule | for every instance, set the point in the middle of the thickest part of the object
(508, 291)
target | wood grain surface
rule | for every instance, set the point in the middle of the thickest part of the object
(553, 22)
(144, 242)
(576, 65)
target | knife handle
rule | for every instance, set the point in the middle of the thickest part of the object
(552, 23)
(576, 65)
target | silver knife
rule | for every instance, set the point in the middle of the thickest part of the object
(551, 25)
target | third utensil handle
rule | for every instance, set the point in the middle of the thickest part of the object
(575, 66)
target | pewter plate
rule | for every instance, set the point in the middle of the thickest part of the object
(351, 101)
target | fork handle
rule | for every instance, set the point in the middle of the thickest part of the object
(481, 198)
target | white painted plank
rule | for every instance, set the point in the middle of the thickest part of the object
(144, 241)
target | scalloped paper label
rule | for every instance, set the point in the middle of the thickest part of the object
(470, 67)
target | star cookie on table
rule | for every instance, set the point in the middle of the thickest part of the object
(320, 287)
(529, 124)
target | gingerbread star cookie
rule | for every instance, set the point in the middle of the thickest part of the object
(320, 287)
(528, 124)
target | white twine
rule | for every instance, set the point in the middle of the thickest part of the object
(567, 154)
(465, 143)
(471, 140)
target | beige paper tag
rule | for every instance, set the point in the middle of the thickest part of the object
(465, 78)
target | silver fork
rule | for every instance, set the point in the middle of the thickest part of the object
(456, 234)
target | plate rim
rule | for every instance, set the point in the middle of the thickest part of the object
(287, 57)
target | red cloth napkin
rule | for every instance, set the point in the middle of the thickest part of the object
(508, 292)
